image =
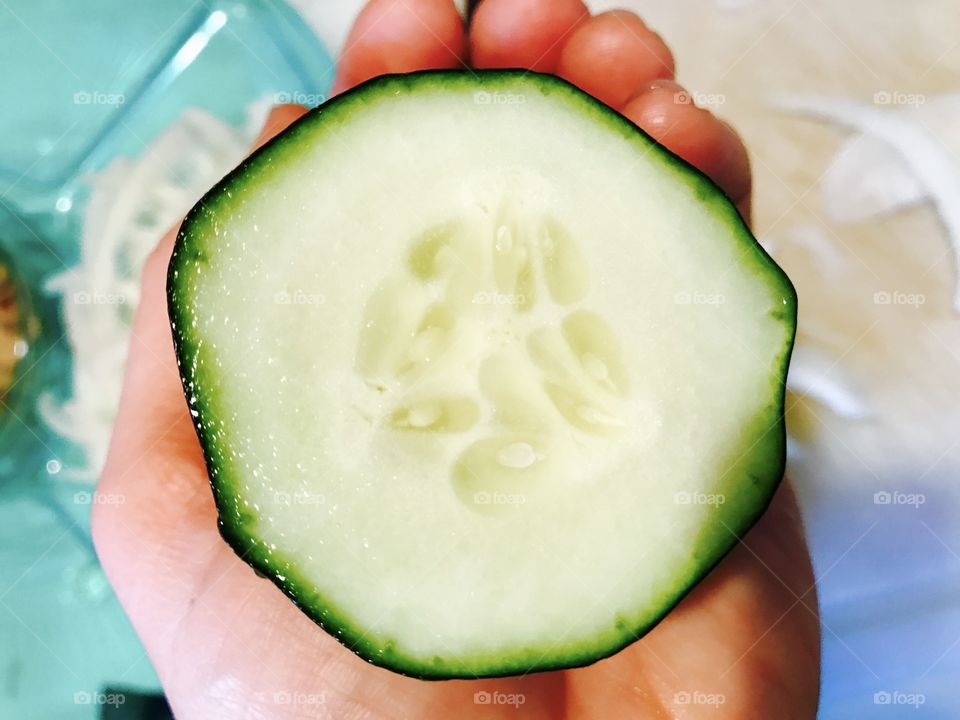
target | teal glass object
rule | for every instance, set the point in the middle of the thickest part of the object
(94, 79)
(81, 84)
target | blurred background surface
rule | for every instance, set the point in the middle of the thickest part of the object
(118, 116)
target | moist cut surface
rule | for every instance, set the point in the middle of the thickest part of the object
(486, 380)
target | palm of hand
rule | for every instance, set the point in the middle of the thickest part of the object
(743, 644)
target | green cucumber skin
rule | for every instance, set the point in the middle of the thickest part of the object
(189, 250)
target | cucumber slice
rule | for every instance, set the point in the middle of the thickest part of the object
(485, 378)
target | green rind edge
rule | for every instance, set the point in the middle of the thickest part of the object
(335, 620)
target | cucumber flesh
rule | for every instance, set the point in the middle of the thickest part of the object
(486, 380)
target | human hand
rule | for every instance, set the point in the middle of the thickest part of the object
(227, 644)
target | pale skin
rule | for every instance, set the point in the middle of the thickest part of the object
(225, 642)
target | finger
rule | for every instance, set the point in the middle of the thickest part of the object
(612, 55)
(394, 36)
(523, 33)
(279, 119)
(665, 111)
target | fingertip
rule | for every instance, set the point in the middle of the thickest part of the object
(279, 119)
(666, 111)
(523, 33)
(612, 55)
(397, 36)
